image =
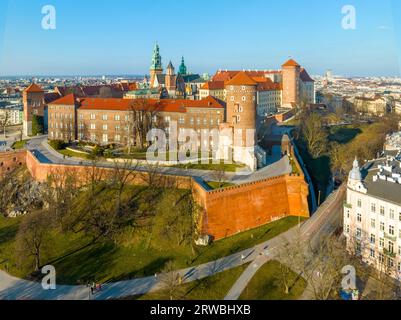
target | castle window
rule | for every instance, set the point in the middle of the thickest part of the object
(93, 126)
(243, 98)
(232, 98)
(117, 117)
(243, 88)
(105, 138)
(104, 117)
(391, 230)
(117, 137)
(231, 87)
(381, 226)
(373, 207)
(93, 116)
(105, 127)
(117, 128)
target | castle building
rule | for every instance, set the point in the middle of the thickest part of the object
(372, 213)
(34, 105)
(106, 121)
(289, 87)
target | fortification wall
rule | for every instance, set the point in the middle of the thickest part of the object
(225, 212)
(11, 160)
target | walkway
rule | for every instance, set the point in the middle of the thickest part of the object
(45, 154)
(324, 222)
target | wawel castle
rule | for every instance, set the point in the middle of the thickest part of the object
(234, 100)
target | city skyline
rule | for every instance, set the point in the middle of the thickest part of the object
(110, 39)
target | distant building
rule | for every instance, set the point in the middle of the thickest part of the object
(376, 106)
(372, 213)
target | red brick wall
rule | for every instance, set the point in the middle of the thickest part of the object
(40, 172)
(224, 212)
(240, 208)
(11, 160)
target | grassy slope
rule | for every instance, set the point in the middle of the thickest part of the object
(266, 285)
(215, 287)
(19, 144)
(134, 257)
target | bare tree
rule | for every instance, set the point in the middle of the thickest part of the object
(171, 281)
(219, 174)
(33, 237)
(59, 193)
(314, 133)
(5, 119)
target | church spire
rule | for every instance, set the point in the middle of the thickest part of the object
(156, 59)
(183, 68)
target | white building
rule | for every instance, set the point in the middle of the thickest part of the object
(372, 213)
(13, 115)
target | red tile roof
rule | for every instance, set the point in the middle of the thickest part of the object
(67, 100)
(214, 85)
(291, 63)
(228, 75)
(241, 78)
(268, 85)
(34, 88)
(166, 105)
(305, 76)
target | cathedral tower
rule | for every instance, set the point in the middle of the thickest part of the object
(156, 67)
(183, 68)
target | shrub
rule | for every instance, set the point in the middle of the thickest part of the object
(37, 125)
(57, 144)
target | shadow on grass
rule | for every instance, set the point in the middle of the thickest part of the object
(8, 233)
(344, 135)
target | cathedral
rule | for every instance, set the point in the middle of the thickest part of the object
(173, 83)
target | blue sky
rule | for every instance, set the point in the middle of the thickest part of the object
(117, 36)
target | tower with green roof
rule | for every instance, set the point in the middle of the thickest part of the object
(156, 66)
(183, 68)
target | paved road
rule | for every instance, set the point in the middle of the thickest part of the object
(324, 222)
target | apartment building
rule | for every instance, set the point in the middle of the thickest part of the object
(372, 213)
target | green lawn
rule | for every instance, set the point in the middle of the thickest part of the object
(19, 144)
(344, 134)
(266, 285)
(70, 153)
(219, 185)
(143, 251)
(215, 287)
(231, 167)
